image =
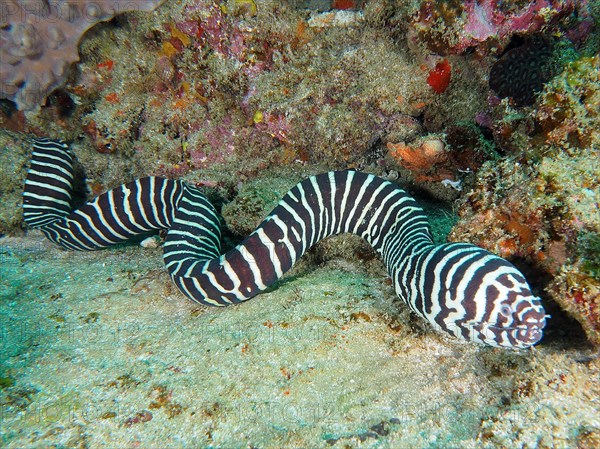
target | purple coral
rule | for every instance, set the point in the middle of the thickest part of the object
(454, 27)
(213, 28)
(484, 19)
(38, 42)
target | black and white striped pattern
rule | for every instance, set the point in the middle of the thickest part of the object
(459, 288)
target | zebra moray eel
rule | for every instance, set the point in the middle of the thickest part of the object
(459, 288)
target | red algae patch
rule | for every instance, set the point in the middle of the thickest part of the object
(439, 77)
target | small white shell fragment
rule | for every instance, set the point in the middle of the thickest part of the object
(341, 18)
(456, 185)
(151, 242)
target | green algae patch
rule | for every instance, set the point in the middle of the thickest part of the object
(441, 220)
(255, 199)
(6, 382)
(589, 250)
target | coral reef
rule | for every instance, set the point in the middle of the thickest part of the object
(39, 38)
(203, 85)
(326, 5)
(539, 208)
(566, 115)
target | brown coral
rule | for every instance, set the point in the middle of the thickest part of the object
(568, 114)
(39, 38)
(579, 295)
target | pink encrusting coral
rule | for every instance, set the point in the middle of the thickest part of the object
(219, 143)
(213, 28)
(475, 22)
(275, 125)
(484, 19)
(39, 38)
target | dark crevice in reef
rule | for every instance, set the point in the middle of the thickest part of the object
(562, 331)
(80, 188)
(7, 108)
(62, 102)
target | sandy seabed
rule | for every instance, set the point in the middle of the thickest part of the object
(100, 350)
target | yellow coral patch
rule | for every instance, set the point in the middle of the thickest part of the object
(246, 6)
(184, 38)
(169, 49)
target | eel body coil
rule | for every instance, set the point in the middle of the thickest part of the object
(459, 288)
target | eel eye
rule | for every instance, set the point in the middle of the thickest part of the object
(506, 310)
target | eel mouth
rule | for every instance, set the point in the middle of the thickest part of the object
(521, 335)
(529, 334)
(530, 329)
